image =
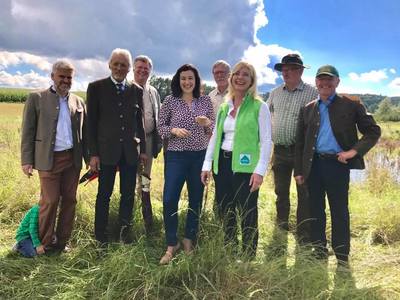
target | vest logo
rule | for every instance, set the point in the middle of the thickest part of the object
(244, 159)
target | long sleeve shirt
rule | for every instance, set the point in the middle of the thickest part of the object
(176, 113)
(29, 227)
(264, 123)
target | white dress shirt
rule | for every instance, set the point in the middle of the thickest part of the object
(264, 125)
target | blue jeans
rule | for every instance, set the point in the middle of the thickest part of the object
(26, 248)
(181, 167)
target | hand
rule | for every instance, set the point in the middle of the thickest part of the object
(40, 250)
(255, 182)
(203, 121)
(28, 170)
(143, 158)
(204, 176)
(346, 155)
(180, 132)
(299, 179)
(94, 164)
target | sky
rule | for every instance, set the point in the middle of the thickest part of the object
(360, 37)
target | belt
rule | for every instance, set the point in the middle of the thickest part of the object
(64, 151)
(226, 154)
(332, 156)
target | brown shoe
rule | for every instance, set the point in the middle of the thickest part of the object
(187, 246)
(169, 254)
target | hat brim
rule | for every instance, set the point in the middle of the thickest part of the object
(326, 73)
(278, 66)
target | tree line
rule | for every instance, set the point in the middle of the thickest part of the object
(384, 108)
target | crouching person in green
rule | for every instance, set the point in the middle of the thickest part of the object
(28, 242)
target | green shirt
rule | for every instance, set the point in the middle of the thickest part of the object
(285, 106)
(29, 226)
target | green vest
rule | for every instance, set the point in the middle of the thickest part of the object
(246, 140)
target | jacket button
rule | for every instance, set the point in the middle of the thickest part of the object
(121, 140)
(122, 128)
(310, 159)
(121, 116)
(119, 103)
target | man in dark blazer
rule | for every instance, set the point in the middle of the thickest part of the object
(53, 142)
(115, 122)
(327, 147)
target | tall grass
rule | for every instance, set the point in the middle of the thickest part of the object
(281, 269)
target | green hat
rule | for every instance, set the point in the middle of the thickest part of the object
(327, 70)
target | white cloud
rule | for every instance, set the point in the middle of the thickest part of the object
(28, 80)
(392, 70)
(395, 84)
(372, 76)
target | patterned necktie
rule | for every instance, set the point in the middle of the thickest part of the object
(120, 88)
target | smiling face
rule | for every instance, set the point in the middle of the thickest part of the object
(221, 76)
(119, 66)
(141, 72)
(326, 85)
(62, 79)
(241, 80)
(187, 82)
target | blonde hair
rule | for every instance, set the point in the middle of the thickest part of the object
(252, 91)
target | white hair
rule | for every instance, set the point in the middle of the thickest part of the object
(124, 52)
(221, 63)
(62, 64)
(145, 59)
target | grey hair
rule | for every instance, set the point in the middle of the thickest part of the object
(124, 52)
(62, 64)
(145, 59)
(221, 63)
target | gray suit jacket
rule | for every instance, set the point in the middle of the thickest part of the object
(39, 129)
(346, 116)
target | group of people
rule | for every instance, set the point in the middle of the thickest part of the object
(227, 135)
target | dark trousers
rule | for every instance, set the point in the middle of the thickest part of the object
(58, 192)
(181, 167)
(282, 167)
(235, 202)
(127, 175)
(330, 177)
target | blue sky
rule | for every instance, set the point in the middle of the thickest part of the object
(361, 38)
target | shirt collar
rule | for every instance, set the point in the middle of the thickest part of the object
(53, 90)
(116, 82)
(331, 98)
(299, 87)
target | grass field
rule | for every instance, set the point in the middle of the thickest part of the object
(281, 270)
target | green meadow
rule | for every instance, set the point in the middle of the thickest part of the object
(281, 270)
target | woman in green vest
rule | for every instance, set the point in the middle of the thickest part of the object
(238, 154)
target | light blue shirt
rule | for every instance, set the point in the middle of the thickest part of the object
(64, 128)
(326, 141)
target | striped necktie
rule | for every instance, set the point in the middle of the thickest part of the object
(120, 88)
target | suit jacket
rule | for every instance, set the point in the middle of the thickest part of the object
(156, 104)
(39, 128)
(115, 122)
(346, 116)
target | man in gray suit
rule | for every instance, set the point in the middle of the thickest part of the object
(53, 142)
(115, 121)
(142, 67)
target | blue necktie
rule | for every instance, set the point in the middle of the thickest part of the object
(120, 88)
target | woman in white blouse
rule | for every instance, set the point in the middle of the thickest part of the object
(238, 154)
